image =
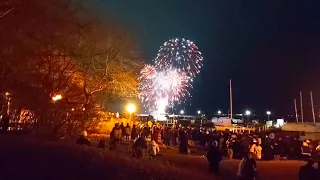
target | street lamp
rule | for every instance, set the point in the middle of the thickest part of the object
(268, 113)
(248, 114)
(219, 112)
(182, 112)
(131, 108)
(199, 113)
(57, 97)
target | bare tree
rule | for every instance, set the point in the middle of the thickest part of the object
(108, 63)
(6, 7)
(64, 55)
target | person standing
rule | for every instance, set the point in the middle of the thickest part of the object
(309, 171)
(258, 151)
(183, 146)
(214, 157)
(134, 132)
(230, 146)
(127, 131)
(5, 122)
(247, 168)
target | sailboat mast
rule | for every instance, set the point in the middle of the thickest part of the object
(230, 91)
(301, 106)
(312, 107)
(295, 109)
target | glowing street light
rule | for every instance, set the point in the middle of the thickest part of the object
(199, 112)
(248, 114)
(182, 112)
(57, 97)
(219, 112)
(268, 113)
(131, 108)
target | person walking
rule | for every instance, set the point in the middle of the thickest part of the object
(153, 150)
(214, 157)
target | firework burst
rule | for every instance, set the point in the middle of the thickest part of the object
(147, 93)
(169, 80)
(165, 87)
(180, 54)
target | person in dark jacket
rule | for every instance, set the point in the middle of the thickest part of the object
(146, 131)
(183, 147)
(102, 144)
(139, 146)
(83, 140)
(214, 157)
(134, 132)
(122, 128)
(308, 171)
(5, 122)
(247, 168)
(268, 151)
(127, 131)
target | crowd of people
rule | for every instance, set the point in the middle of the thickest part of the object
(233, 145)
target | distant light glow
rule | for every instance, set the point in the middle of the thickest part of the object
(131, 108)
(248, 112)
(57, 97)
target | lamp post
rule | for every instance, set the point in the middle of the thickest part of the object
(182, 112)
(131, 108)
(199, 114)
(268, 114)
(248, 114)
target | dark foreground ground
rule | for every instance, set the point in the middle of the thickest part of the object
(22, 158)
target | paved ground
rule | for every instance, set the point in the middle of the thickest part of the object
(30, 159)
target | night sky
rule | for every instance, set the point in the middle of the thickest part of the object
(270, 49)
